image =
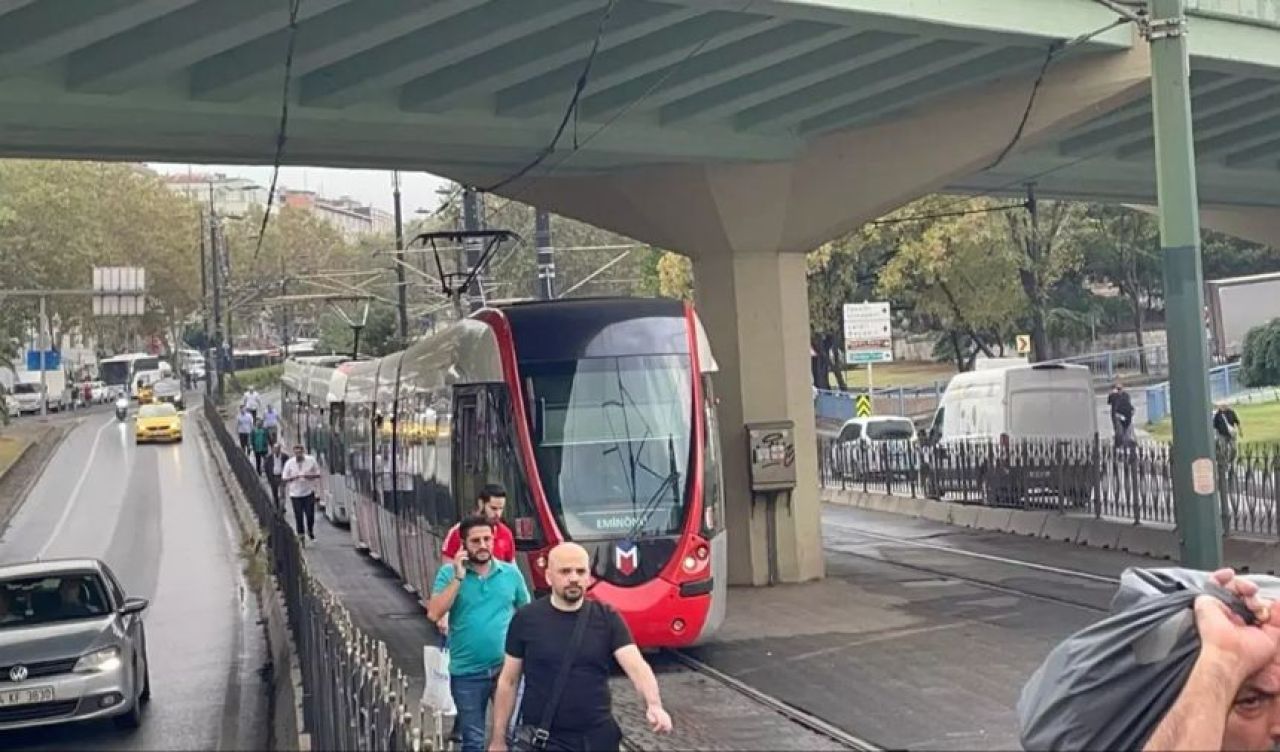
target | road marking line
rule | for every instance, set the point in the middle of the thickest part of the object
(976, 555)
(75, 492)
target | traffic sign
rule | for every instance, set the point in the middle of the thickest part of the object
(119, 291)
(868, 333)
(863, 404)
(52, 360)
(1024, 343)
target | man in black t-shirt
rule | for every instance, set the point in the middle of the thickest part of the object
(537, 640)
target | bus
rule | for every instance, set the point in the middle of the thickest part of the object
(121, 372)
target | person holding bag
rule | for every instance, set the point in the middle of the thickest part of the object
(566, 683)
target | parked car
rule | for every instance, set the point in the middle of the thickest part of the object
(11, 405)
(72, 646)
(29, 397)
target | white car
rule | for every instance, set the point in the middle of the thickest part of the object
(11, 406)
(876, 447)
(98, 392)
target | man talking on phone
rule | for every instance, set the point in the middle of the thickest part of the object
(479, 594)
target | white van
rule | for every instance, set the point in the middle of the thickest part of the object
(1052, 401)
(1010, 433)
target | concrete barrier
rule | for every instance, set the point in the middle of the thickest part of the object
(964, 515)
(990, 518)
(1027, 523)
(1060, 528)
(1098, 534)
(938, 511)
(1255, 556)
(1149, 541)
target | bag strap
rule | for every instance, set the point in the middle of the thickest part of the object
(575, 642)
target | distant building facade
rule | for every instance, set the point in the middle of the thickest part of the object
(236, 197)
(231, 196)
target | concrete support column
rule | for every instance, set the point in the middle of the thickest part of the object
(756, 311)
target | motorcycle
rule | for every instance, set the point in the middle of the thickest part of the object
(122, 409)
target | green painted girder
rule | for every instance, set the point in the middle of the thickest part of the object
(833, 59)
(883, 75)
(651, 52)
(715, 67)
(1250, 156)
(172, 42)
(537, 54)
(343, 32)
(1207, 91)
(9, 6)
(1243, 112)
(965, 74)
(45, 32)
(413, 55)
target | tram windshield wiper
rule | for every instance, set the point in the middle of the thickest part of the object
(651, 506)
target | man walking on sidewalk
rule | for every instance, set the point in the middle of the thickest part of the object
(271, 422)
(490, 505)
(261, 444)
(301, 475)
(565, 646)
(480, 594)
(275, 468)
(1121, 415)
(244, 427)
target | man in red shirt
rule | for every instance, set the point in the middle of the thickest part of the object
(492, 502)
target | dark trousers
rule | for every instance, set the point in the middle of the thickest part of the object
(607, 736)
(258, 457)
(472, 694)
(274, 482)
(304, 510)
(244, 443)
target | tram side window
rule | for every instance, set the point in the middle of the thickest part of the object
(712, 469)
(520, 513)
(338, 448)
(444, 509)
(468, 456)
(485, 453)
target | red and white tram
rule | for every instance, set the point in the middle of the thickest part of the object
(597, 415)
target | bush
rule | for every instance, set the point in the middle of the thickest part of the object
(258, 378)
(1260, 361)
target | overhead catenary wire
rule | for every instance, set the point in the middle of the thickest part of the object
(282, 132)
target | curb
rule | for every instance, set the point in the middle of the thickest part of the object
(287, 733)
(1243, 554)
(59, 432)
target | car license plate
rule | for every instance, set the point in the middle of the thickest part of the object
(26, 696)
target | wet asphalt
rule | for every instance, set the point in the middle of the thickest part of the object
(155, 515)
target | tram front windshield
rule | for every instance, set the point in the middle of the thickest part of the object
(611, 438)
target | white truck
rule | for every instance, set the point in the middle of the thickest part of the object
(1236, 305)
(29, 396)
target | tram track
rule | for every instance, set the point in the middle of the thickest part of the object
(977, 581)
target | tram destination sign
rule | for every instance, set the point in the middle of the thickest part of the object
(868, 333)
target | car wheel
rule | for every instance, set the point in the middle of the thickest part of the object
(146, 684)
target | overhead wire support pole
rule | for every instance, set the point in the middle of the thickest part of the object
(402, 292)
(546, 255)
(1195, 494)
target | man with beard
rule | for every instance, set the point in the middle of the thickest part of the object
(480, 594)
(537, 645)
(491, 503)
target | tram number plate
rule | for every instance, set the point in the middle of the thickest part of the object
(27, 696)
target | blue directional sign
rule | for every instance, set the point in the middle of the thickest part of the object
(52, 360)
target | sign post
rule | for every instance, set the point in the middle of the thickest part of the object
(1024, 343)
(868, 338)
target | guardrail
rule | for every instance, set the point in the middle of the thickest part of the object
(1224, 382)
(1133, 484)
(353, 695)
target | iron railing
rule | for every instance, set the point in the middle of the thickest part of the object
(354, 698)
(1129, 483)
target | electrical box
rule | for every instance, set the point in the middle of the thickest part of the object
(772, 454)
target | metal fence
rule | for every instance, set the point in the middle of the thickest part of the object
(1132, 484)
(353, 696)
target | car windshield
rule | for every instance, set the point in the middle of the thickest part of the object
(612, 443)
(32, 601)
(157, 411)
(26, 389)
(890, 430)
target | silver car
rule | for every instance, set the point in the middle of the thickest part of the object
(72, 646)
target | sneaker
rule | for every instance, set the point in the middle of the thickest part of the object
(313, 535)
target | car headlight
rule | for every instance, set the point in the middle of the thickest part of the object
(106, 659)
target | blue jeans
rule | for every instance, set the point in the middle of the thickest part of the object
(472, 693)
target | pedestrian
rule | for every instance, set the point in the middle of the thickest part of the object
(244, 427)
(301, 475)
(271, 421)
(1121, 415)
(565, 646)
(490, 504)
(480, 594)
(251, 402)
(1227, 425)
(1231, 699)
(275, 468)
(261, 444)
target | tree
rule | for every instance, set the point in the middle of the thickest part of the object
(675, 276)
(1122, 249)
(378, 337)
(1043, 257)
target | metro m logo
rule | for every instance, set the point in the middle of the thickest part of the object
(626, 557)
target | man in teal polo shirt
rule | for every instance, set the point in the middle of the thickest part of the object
(480, 594)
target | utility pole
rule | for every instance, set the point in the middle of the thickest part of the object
(1194, 475)
(284, 312)
(204, 307)
(402, 290)
(546, 255)
(44, 348)
(1038, 342)
(474, 247)
(216, 273)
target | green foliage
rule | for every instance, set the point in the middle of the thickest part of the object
(378, 337)
(1260, 361)
(258, 378)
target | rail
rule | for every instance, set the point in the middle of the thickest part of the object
(1094, 478)
(353, 695)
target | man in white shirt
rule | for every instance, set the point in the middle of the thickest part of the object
(301, 476)
(252, 403)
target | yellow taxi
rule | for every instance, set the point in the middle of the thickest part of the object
(158, 422)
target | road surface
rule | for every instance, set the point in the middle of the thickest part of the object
(155, 515)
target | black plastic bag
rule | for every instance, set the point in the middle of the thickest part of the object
(1109, 685)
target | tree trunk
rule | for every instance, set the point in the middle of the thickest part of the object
(1139, 321)
(958, 351)
(837, 361)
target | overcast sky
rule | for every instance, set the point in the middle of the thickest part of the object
(417, 189)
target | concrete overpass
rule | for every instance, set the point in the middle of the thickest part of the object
(741, 132)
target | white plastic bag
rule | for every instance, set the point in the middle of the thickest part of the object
(436, 693)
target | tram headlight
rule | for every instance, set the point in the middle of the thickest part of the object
(690, 564)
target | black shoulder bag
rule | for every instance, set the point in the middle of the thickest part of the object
(529, 738)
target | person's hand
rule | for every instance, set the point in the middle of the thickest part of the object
(658, 719)
(1229, 643)
(460, 565)
(498, 744)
